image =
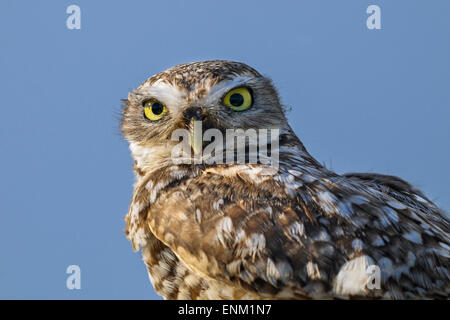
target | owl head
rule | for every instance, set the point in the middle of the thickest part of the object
(221, 94)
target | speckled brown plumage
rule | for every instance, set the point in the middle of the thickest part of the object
(189, 74)
(232, 231)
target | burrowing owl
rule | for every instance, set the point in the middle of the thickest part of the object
(247, 230)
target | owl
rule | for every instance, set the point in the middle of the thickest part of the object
(287, 229)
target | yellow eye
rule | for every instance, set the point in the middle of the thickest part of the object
(154, 110)
(238, 99)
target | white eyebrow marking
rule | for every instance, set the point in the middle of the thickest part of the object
(171, 95)
(219, 89)
(176, 98)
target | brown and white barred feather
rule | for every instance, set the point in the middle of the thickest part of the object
(245, 231)
(228, 232)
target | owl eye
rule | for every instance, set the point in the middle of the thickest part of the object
(238, 99)
(154, 110)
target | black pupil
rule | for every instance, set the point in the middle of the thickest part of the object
(157, 108)
(236, 99)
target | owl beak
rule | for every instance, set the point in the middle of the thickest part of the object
(195, 117)
(196, 133)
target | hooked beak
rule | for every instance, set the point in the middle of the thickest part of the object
(194, 117)
(196, 135)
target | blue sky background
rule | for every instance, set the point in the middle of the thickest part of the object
(362, 100)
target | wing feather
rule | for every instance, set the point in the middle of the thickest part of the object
(294, 234)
